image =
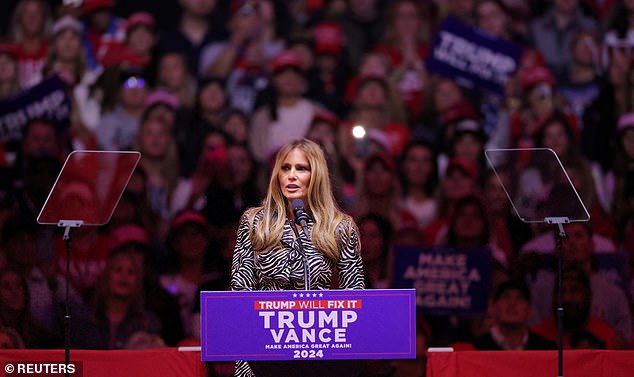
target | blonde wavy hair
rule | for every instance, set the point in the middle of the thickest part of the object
(321, 205)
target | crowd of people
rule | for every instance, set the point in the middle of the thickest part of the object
(208, 91)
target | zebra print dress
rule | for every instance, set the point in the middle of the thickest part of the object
(282, 268)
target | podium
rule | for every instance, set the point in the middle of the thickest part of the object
(308, 333)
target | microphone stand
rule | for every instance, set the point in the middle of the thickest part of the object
(298, 238)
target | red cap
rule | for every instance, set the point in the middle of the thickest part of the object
(466, 166)
(187, 217)
(459, 111)
(140, 18)
(531, 76)
(532, 58)
(328, 38)
(382, 158)
(327, 117)
(128, 233)
(92, 5)
(120, 54)
(9, 49)
(286, 59)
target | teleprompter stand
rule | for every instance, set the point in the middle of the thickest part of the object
(541, 191)
(86, 192)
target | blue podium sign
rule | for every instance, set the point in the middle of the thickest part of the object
(308, 325)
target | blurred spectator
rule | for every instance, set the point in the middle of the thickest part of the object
(102, 28)
(133, 239)
(288, 115)
(45, 294)
(540, 101)
(470, 229)
(9, 78)
(327, 84)
(66, 59)
(193, 263)
(363, 27)
(583, 82)
(599, 133)
(623, 170)
(446, 100)
(553, 32)
(468, 142)
(608, 304)
(619, 30)
(577, 296)
(459, 181)
(419, 177)
(379, 110)
(140, 34)
(211, 102)
(162, 106)
(379, 192)
(509, 232)
(236, 189)
(41, 137)
(30, 31)
(324, 130)
(193, 32)
(491, 16)
(36, 178)
(160, 162)
(253, 40)
(511, 310)
(172, 75)
(89, 254)
(118, 309)
(236, 124)
(210, 111)
(191, 191)
(65, 56)
(256, 36)
(375, 233)
(405, 48)
(15, 313)
(118, 128)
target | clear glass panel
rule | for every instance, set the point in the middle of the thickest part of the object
(537, 184)
(89, 187)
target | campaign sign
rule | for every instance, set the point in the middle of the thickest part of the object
(48, 100)
(472, 57)
(308, 325)
(447, 281)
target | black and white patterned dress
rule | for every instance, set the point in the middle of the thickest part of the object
(282, 268)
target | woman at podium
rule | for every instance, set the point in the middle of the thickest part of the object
(298, 238)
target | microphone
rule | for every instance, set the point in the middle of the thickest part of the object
(300, 213)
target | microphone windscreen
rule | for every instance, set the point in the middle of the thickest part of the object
(297, 204)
